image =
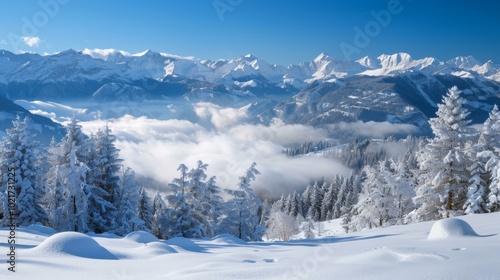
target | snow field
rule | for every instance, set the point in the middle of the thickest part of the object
(398, 252)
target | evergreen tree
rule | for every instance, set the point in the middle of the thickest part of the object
(493, 197)
(127, 200)
(184, 219)
(144, 210)
(214, 204)
(74, 210)
(476, 192)
(241, 211)
(316, 199)
(18, 153)
(442, 188)
(105, 188)
(160, 228)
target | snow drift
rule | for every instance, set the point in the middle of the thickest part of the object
(451, 227)
(75, 244)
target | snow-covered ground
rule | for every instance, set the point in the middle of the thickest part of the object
(400, 252)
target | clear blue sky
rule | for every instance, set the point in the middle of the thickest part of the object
(279, 31)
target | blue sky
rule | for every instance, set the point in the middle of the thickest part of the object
(279, 31)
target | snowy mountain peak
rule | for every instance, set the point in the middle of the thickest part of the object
(250, 57)
(397, 60)
(322, 57)
(464, 62)
(104, 54)
(368, 62)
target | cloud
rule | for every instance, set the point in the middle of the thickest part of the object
(3, 42)
(284, 135)
(372, 129)
(155, 148)
(32, 42)
(218, 116)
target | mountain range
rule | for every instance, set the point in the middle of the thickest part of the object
(394, 88)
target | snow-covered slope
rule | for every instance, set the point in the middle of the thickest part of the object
(399, 252)
(43, 127)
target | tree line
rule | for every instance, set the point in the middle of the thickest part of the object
(80, 184)
(454, 173)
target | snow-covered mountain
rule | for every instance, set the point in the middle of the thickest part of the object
(394, 88)
(44, 128)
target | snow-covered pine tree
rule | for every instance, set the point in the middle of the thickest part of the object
(306, 200)
(374, 207)
(127, 200)
(108, 163)
(144, 210)
(476, 194)
(308, 228)
(241, 211)
(196, 198)
(214, 203)
(402, 184)
(328, 202)
(316, 199)
(490, 134)
(74, 210)
(180, 213)
(444, 176)
(160, 227)
(481, 182)
(18, 153)
(295, 207)
(493, 165)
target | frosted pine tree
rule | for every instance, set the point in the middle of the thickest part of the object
(490, 134)
(105, 185)
(306, 200)
(493, 165)
(196, 197)
(482, 176)
(184, 223)
(214, 205)
(241, 211)
(158, 227)
(144, 210)
(308, 228)
(18, 153)
(443, 182)
(328, 202)
(374, 207)
(316, 199)
(127, 200)
(74, 211)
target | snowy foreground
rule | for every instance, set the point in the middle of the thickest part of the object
(400, 252)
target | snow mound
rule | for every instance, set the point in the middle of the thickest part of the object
(185, 244)
(227, 239)
(75, 244)
(451, 227)
(158, 248)
(141, 237)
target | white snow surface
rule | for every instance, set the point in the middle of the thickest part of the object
(399, 252)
